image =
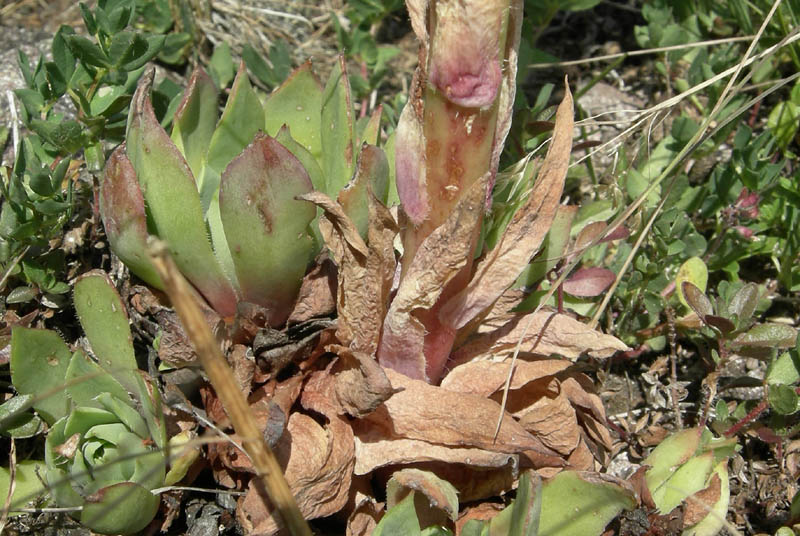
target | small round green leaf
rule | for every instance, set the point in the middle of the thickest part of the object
(694, 271)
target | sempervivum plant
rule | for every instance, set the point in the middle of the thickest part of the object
(105, 449)
(235, 177)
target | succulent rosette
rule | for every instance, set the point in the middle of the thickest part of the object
(106, 449)
(103, 459)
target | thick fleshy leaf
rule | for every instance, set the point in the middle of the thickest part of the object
(39, 361)
(338, 133)
(170, 194)
(86, 379)
(195, 120)
(554, 247)
(265, 225)
(28, 486)
(410, 169)
(582, 503)
(297, 104)
(17, 420)
(439, 259)
(105, 322)
(686, 480)
(589, 282)
(372, 129)
(124, 508)
(711, 512)
(670, 453)
(523, 236)
(124, 218)
(371, 178)
(241, 120)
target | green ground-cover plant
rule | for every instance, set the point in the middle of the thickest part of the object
(106, 442)
(97, 75)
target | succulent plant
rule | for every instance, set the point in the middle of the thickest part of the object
(236, 178)
(105, 450)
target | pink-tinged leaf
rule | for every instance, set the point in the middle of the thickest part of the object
(265, 226)
(438, 260)
(589, 282)
(195, 120)
(466, 49)
(410, 164)
(502, 265)
(123, 214)
(170, 194)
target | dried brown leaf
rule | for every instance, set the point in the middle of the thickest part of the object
(317, 295)
(502, 265)
(364, 272)
(365, 517)
(440, 257)
(319, 471)
(361, 384)
(699, 505)
(549, 333)
(436, 415)
(376, 448)
(552, 419)
(487, 377)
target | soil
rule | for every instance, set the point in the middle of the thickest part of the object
(636, 389)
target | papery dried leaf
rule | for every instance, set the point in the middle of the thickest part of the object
(549, 333)
(472, 483)
(553, 421)
(317, 296)
(440, 257)
(377, 448)
(523, 236)
(487, 377)
(361, 384)
(581, 458)
(436, 415)
(243, 366)
(319, 471)
(364, 518)
(589, 282)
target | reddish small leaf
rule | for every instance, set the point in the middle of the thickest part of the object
(589, 282)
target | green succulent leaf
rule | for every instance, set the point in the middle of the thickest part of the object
(338, 130)
(28, 487)
(105, 322)
(195, 120)
(16, 419)
(713, 522)
(170, 194)
(371, 178)
(402, 519)
(39, 361)
(582, 503)
(123, 508)
(297, 103)
(124, 217)
(242, 118)
(687, 479)
(670, 453)
(85, 379)
(265, 226)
